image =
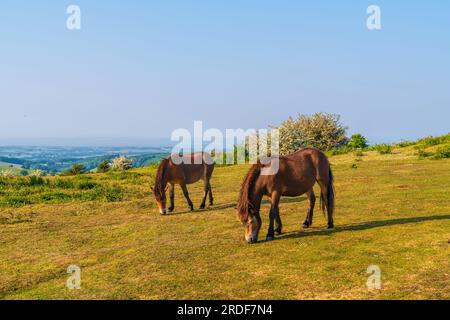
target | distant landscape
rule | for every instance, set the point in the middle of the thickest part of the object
(53, 160)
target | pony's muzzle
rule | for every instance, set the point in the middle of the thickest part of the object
(163, 211)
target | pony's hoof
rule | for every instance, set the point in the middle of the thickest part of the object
(171, 209)
(278, 232)
(330, 227)
(202, 207)
(191, 208)
(305, 226)
(269, 238)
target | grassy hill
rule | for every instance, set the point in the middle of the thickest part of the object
(10, 167)
(393, 211)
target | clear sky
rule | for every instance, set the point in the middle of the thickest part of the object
(140, 69)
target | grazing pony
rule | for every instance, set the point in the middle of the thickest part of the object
(297, 173)
(190, 169)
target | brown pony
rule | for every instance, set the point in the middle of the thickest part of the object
(297, 173)
(190, 169)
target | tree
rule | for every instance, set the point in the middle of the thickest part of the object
(357, 141)
(104, 166)
(76, 169)
(122, 163)
(321, 130)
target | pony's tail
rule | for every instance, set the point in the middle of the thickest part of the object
(330, 191)
(244, 204)
(330, 194)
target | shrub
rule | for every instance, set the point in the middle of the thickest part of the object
(8, 173)
(338, 151)
(383, 148)
(321, 130)
(357, 141)
(104, 166)
(35, 181)
(404, 144)
(122, 163)
(76, 169)
(442, 152)
(358, 153)
(85, 184)
(432, 141)
(37, 173)
(63, 183)
(23, 173)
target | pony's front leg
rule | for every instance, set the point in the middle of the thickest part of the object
(274, 214)
(172, 197)
(186, 195)
(271, 232)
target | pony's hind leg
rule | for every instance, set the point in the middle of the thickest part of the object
(326, 205)
(211, 199)
(279, 228)
(205, 194)
(309, 215)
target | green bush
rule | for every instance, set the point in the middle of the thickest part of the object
(383, 148)
(442, 152)
(432, 141)
(104, 166)
(63, 183)
(113, 193)
(338, 151)
(404, 144)
(422, 153)
(35, 181)
(358, 153)
(76, 169)
(357, 141)
(85, 184)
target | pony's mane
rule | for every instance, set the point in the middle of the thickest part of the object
(244, 205)
(159, 188)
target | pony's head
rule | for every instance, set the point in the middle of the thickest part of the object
(245, 208)
(159, 190)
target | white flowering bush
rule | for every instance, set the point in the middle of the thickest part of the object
(7, 173)
(121, 163)
(36, 173)
(321, 130)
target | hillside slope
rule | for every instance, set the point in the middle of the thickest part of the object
(392, 211)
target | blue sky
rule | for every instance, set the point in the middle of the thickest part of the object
(140, 69)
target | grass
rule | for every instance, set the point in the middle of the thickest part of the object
(393, 211)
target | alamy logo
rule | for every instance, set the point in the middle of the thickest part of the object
(73, 22)
(374, 280)
(74, 280)
(235, 146)
(374, 19)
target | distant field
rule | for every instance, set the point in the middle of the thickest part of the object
(392, 211)
(14, 168)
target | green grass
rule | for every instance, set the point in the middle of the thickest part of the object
(393, 210)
